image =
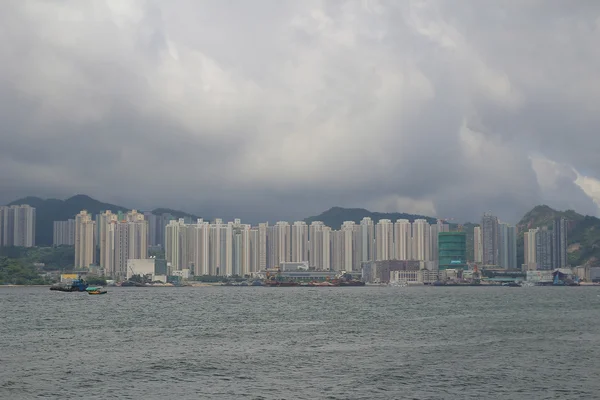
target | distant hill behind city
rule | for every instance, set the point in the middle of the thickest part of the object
(583, 233)
(50, 210)
(583, 237)
(335, 216)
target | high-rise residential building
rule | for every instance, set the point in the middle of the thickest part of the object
(217, 244)
(403, 240)
(85, 240)
(254, 250)
(490, 237)
(8, 225)
(367, 240)
(315, 238)
(559, 243)
(347, 239)
(529, 250)
(299, 242)
(199, 245)
(507, 246)
(543, 249)
(281, 242)
(477, 245)
(137, 240)
(384, 239)
(434, 229)
(420, 240)
(63, 233)
(263, 230)
(122, 236)
(327, 237)
(18, 225)
(106, 238)
(337, 250)
(153, 228)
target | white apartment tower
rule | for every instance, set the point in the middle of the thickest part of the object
(299, 242)
(347, 242)
(17, 225)
(254, 250)
(403, 240)
(199, 238)
(217, 259)
(530, 249)
(477, 245)
(315, 254)
(281, 243)
(107, 222)
(326, 236)
(420, 240)
(367, 240)
(384, 237)
(85, 243)
(263, 230)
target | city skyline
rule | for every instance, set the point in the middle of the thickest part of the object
(234, 248)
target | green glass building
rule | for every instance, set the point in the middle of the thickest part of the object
(452, 250)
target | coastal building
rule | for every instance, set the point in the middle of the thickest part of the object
(529, 250)
(17, 225)
(198, 236)
(452, 248)
(316, 245)
(63, 233)
(366, 240)
(507, 246)
(477, 245)
(263, 230)
(299, 241)
(121, 236)
(85, 240)
(384, 240)
(347, 246)
(421, 240)
(543, 249)
(489, 240)
(559, 243)
(403, 239)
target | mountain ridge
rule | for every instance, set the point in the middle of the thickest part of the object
(583, 233)
(336, 216)
(50, 210)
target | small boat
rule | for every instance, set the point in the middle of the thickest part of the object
(96, 290)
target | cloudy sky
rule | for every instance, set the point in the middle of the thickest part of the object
(281, 109)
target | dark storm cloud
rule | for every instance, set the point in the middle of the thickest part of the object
(270, 109)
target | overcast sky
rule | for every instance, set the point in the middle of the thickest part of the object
(283, 109)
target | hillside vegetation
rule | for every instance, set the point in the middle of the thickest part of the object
(50, 210)
(583, 237)
(336, 216)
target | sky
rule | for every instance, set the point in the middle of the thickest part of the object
(270, 110)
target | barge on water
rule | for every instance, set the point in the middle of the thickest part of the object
(76, 285)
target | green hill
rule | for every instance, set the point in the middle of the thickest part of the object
(50, 210)
(583, 237)
(335, 216)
